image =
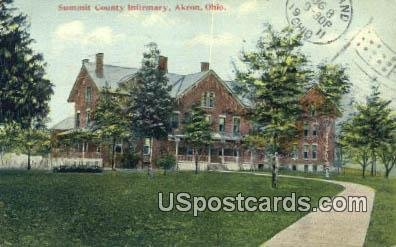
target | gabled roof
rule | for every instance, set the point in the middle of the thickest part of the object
(113, 76)
(65, 124)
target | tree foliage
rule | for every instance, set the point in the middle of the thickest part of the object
(25, 91)
(371, 128)
(197, 132)
(275, 77)
(111, 123)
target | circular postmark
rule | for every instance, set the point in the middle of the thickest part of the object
(319, 21)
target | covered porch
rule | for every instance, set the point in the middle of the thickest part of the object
(226, 152)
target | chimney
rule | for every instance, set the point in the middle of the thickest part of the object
(84, 61)
(99, 65)
(204, 66)
(163, 63)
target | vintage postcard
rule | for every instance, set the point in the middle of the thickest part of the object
(197, 123)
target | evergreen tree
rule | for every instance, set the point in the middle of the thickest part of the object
(197, 132)
(25, 91)
(275, 78)
(111, 123)
(150, 103)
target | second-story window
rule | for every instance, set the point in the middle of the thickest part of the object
(294, 153)
(315, 130)
(236, 125)
(208, 99)
(306, 129)
(146, 146)
(88, 118)
(175, 120)
(222, 123)
(77, 121)
(314, 151)
(209, 118)
(88, 94)
(306, 152)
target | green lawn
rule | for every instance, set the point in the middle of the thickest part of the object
(121, 209)
(382, 227)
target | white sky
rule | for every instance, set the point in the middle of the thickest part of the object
(65, 38)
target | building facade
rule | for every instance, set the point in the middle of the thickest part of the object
(225, 110)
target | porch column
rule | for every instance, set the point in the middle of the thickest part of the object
(209, 154)
(177, 140)
(237, 157)
(83, 152)
(222, 154)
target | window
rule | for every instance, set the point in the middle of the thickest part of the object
(175, 120)
(77, 120)
(305, 168)
(208, 99)
(187, 117)
(314, 151)
(314, 168)
(88, 94)
(189, 151)
(306, 151)
(294, 168)
(236, 122)
(118, 148)
(312, 110)
(88, 118)
(306, 129)
(146, 146)
(294, 153)
(208, 118)
(315, 130)
(98, 150)
(222, 123)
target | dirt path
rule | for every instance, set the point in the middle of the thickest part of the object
(328, 228)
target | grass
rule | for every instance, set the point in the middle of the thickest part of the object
(121, 209)
(382, 227)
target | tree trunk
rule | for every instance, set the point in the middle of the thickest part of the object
(326, 153)
(113, 155)
(196, 161)
(275, 166)
(363, 171)
(29, 166)
(150, 166)
(373, 163)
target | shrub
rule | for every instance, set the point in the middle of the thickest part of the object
(74, 168)
(166, 162)
(130, 160)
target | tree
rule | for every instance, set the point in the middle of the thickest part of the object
(387, 154)
(197, 132)
(150, 103)
(25, 91)
(7, 139)
(275, 77)
(254, 142)
(111, 123)
(334, 83)
(376, 116)
(370, 129)
(353, 139)
(34, 140)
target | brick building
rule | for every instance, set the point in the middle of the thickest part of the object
(225, 110)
